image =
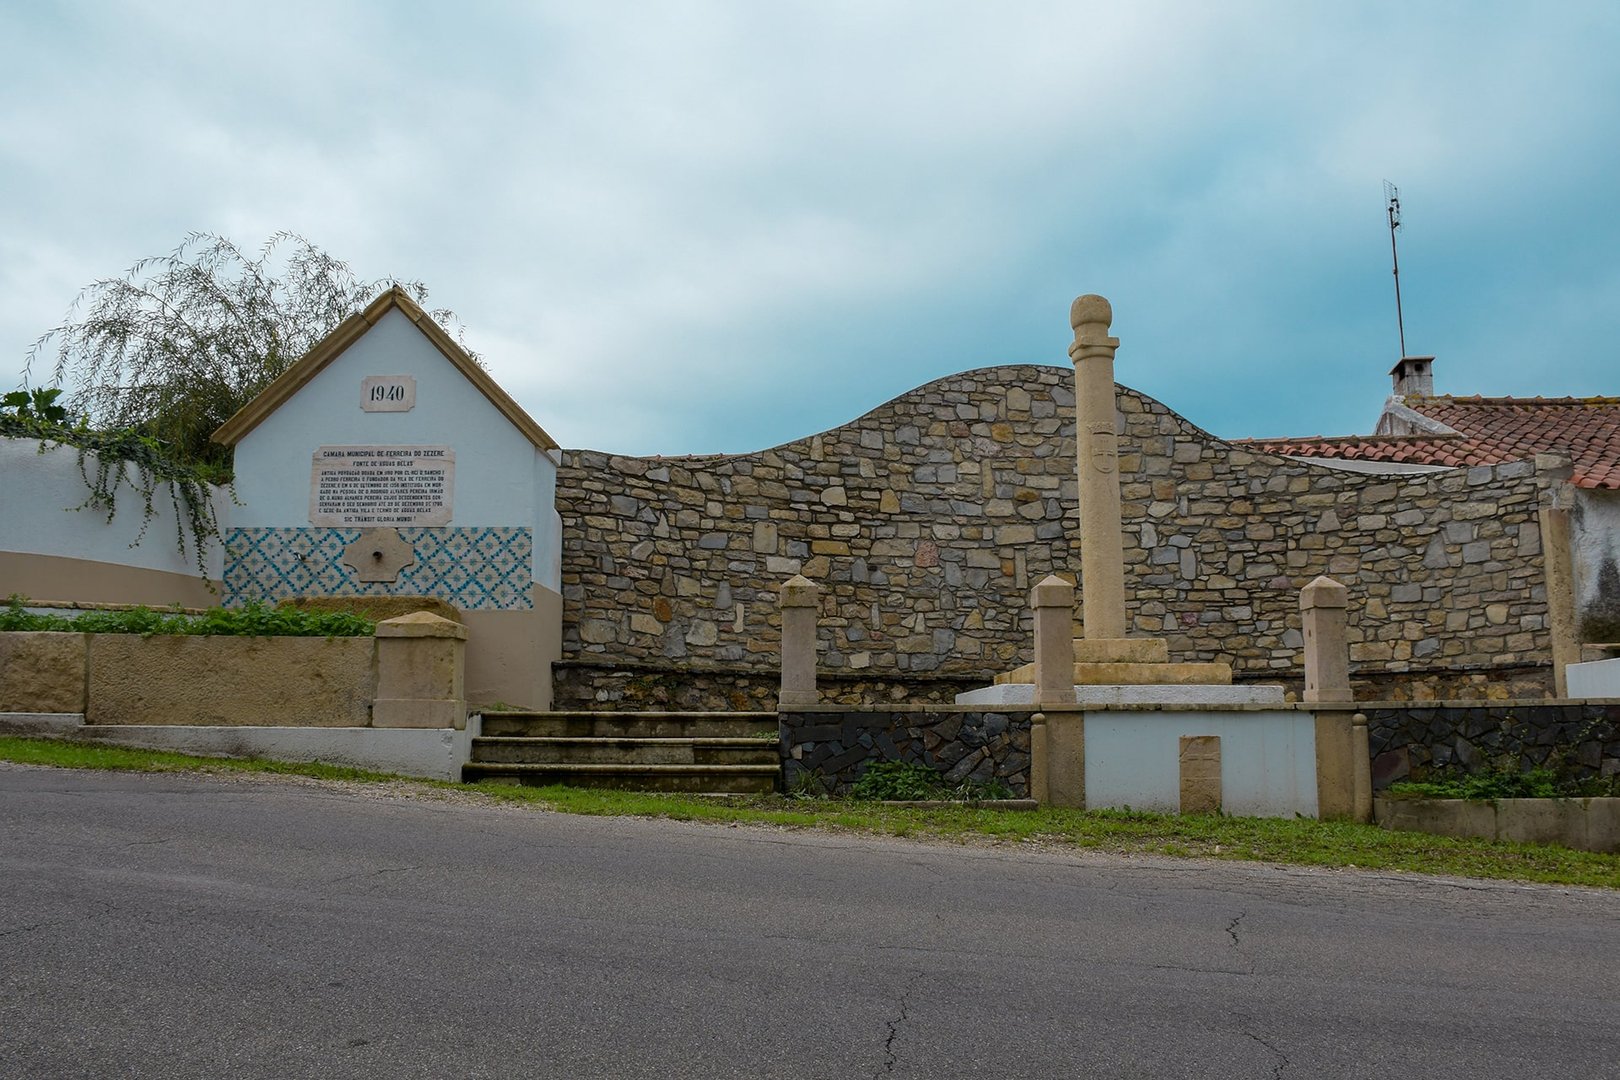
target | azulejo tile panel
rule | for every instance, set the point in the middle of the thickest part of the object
(476, 569)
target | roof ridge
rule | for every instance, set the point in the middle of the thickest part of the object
(1479, 399)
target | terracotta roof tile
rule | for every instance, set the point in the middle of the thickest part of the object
(1490, 431)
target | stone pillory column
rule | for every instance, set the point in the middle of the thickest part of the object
(801, 603)
(1102, 560)
(1327, 652)
(1053, 602)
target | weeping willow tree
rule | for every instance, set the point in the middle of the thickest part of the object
(157, 359)
(176, 345)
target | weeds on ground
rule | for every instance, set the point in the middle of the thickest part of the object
(1333, 844)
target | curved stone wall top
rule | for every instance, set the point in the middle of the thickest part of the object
(928, 518)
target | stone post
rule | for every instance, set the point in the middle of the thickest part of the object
(801, 604)
(1322, 606)
(1053, 602)
(1553, 472)
(1360, 746)
(1102, 561)
(421, 667)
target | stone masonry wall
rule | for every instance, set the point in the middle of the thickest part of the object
(1580, 740)
(928, 519)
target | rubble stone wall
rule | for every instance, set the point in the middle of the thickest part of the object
(927, 520)
(828, 751)
(1576, 739)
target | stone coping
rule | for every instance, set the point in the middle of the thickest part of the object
(967, 804)
(1281, 706)
(86, 605)
(771, 672)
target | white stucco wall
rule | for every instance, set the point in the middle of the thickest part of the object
(39, 491)
(1268, 760)
(1596, 543)
(501, 478)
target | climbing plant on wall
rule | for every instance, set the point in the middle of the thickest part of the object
(154, 360)
(111, 459)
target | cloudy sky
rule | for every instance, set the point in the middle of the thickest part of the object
(700, 227)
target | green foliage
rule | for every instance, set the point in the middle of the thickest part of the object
(909, 781)
(1504, 784)
(898, 780)
(177, 344)
(251, 620)
(37, 405)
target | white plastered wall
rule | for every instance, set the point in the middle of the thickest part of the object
(501, 478)
(38, 494)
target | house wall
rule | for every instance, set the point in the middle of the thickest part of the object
(51, 550)
(497, 561)
(928, 519)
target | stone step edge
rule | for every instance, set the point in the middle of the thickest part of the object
(617, 740)
(586, 714)
(736, 770)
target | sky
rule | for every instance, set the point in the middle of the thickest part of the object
(716, 227)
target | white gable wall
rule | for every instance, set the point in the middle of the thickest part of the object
(501, 477)
(502, 508)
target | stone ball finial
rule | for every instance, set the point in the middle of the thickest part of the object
(1090, 309)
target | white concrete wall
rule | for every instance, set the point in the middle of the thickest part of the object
(501, 479)
(39, 491)
(1596, 543)
(1268, 760)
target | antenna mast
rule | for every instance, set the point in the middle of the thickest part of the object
(1392, 206)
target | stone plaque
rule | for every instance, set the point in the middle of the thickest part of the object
(381, 485)
(388, 393)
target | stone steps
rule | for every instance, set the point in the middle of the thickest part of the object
(713, 752)
(617, 751)
(629, 725)
(703, 779)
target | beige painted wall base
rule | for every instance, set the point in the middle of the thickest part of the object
(509, 653)
(57, 578)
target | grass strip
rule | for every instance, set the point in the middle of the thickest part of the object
(1300, 842)
(79, 755)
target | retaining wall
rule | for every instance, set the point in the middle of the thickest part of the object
(1577, 738)
(829, 749)
(188, 680)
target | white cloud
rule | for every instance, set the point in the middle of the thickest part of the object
(708, 225)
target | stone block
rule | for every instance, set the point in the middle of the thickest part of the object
(227, 681)
(42, 672)
(1200, 764)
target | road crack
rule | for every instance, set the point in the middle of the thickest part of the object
(889, 1057)
(1282, 1059)
(1232, 928)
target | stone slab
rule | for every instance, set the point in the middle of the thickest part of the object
(1179, 695)
(1110, 674)
(33, 723)
(1121, 651)
(433, 753)
(42, 672)
(1593, 679)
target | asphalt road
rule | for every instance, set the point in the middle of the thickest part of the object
(168, 926)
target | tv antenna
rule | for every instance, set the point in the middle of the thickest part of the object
(1392, 206)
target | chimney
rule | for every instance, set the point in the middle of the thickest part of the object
(1414, 377)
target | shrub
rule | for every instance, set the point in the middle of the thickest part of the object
(251, 620)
